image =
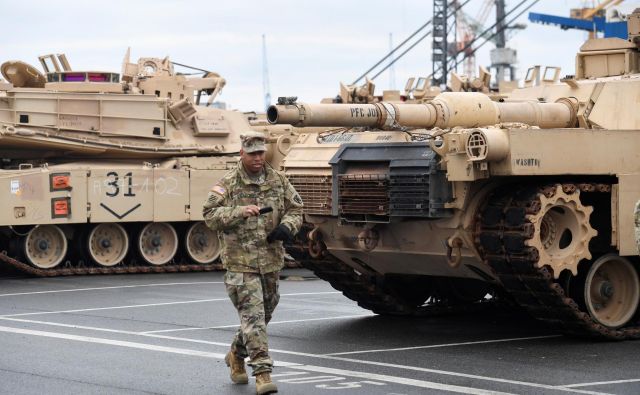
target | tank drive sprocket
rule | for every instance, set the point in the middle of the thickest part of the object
(575, 301)
(561, 229)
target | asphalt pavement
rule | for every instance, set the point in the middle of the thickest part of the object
(168, 334)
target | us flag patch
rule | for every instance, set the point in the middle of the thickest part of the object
(218, 189)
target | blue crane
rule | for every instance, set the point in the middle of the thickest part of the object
(597, 24)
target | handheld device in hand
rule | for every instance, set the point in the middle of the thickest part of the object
(265, 210)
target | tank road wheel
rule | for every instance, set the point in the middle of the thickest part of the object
(158, 243)
(45, 246)
(108, 244)
(611, 291)
(561, 230)
(202, 244)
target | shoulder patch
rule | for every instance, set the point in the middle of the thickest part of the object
(219, 189)
(297, 198)
(293, 195)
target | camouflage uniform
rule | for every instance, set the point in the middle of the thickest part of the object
(637, 221)
(252, 263)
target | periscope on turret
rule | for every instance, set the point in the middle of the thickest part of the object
(458, 199)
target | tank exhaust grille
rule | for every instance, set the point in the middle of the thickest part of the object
(376, 182)
(315, 191)
(410, 194)
(364, 194)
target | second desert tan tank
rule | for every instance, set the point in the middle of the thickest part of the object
(108, 175)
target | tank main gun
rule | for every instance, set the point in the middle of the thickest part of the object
(448, 109)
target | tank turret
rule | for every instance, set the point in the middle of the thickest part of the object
(152, 112)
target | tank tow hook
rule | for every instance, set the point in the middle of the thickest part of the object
(317, 248)
(368, 239)
(454, 243)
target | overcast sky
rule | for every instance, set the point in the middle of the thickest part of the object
(311, 45)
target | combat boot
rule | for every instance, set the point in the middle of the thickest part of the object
(238, 372)
(264, 384)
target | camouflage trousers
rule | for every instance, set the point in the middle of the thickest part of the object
(255, 297)
(637, 222)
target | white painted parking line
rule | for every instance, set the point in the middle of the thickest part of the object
(400, 380)
(600, 383)
(341, 317)
(512, 339)
(286, 374)
(327, 357)
(332, 302)
(164, 331)
(114, 287)
(220, 356)
(91, 328)
(312, 379)
(110, 342)
(114, 307)
(148, 305)
(440, 372)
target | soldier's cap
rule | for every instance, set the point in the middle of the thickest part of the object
(253, 141)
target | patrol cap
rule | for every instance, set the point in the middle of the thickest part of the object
(253, 141)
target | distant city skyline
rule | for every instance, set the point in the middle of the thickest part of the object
(311, 46)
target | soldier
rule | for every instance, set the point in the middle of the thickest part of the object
(637, 221)
(252, 251)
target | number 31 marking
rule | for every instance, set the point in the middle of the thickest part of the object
(115, 184)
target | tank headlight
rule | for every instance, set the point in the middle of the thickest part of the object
(487, 145)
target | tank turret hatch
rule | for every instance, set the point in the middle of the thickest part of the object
(22, 75)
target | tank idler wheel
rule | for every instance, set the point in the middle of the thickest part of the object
(612, 291)
(108, 244)
(562, 231)
(157, 243)
(45, 246)
(202, 244)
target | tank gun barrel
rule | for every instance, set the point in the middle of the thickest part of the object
(449, 109)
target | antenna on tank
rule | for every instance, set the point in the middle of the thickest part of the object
(392, 71)
(265, 75)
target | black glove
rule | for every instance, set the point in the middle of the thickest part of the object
(280, 233)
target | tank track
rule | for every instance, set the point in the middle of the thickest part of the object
(68, 270)
(501, 231)
(373, 295)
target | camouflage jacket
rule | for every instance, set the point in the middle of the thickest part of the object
(244, 244)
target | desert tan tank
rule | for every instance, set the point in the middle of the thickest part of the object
(439, 204)
(108, 175)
